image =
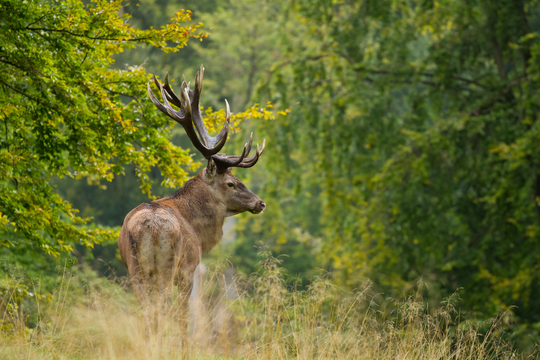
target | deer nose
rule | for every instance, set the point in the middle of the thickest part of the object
(262, 205)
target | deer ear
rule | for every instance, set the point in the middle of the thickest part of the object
(211, 169)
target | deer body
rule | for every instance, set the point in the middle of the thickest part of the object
(161, 242)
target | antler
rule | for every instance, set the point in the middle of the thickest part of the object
(190, 114)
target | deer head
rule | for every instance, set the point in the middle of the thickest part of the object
(217, 176)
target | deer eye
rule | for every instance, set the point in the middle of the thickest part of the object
(230, 184)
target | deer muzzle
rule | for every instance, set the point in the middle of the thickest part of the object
(259, 207)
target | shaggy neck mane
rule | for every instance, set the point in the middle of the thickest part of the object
(201, 209)
(185, 190)
(198, 202)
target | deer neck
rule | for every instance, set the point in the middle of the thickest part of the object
(208, 222)
(203, 211)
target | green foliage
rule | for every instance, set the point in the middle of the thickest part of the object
(62, 114)
(67, 112)
(239, 55)
(412, 147)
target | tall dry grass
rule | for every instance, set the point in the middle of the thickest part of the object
(262, 319)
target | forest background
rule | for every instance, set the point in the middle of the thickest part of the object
(408, 151)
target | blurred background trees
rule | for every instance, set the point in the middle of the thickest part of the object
(410, 150)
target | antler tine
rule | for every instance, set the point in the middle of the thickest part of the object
(219, 140)
(225, 162)
(250, 142)
(183, 116)
(254, 157)
(197, 117)
(157, 103)
(189, 116)
(186, 102)
(253, 160)
(235, 157)
(222, 135)
(171, 96)
(190, 113)
(179, 116)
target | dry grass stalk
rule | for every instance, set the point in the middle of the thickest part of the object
(266, 320)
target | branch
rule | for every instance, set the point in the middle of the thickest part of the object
(21, 68)
(20, 91)
(120, 93)
(498, 58)
(87, 36)
(6, 126)
(475, 82)
(38, 20)
(488, 107)
(351, 61)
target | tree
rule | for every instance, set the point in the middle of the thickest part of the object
(63, 115)
(411, 148)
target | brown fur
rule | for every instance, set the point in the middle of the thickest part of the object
(161, 242)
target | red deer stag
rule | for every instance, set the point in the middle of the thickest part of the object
(161, 242)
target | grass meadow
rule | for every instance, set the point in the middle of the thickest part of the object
(264, 319)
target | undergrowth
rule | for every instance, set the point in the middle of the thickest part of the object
(260, 317)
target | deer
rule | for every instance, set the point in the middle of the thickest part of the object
(161, 242)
